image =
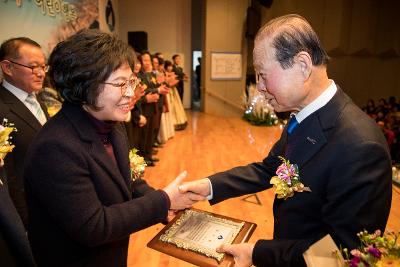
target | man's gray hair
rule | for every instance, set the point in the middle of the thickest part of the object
(290, 35)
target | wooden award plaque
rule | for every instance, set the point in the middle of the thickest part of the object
(200, 226)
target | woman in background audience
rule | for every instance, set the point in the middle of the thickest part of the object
(166, 130)
(178, 112)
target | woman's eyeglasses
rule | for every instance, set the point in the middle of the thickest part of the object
(132, 83)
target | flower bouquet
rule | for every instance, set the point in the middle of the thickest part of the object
(257, 109)
(287, 180)
(6, 129)
(376, 250)
(137, 164)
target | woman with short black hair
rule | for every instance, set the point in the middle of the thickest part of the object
(82, 201)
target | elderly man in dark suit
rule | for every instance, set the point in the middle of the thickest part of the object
(23, 65)
(342, 156)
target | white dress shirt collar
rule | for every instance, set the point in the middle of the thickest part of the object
(318, 103)
(19, 93)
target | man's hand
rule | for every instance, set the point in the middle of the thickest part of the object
(180, 200)
(200, 187)
(242, 253)
(139, 92)
(163, 89)
(152, 97)
(171, 215)
(142, 121)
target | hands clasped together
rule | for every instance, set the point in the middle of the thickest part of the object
(184, 194)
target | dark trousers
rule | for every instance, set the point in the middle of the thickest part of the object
(132, 131)
(179, 87)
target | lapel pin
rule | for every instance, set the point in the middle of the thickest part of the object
(313, 141)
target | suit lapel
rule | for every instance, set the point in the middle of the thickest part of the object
(19, 109)
(313, 132)
(305, 141)
(100, 155)
(83, 126)
(121, 154)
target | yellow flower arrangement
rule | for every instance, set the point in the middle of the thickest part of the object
(137, 164)
(6, 146)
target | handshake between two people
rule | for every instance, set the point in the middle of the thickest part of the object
(183, 195)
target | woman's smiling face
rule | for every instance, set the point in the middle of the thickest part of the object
(113, 105)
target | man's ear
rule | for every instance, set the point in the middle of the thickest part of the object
(305, 63)
(6, 67)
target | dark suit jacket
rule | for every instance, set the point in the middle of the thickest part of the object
(28, 126)
(343, 157)
(82, 205)
(149, 79)
(14, 245)
(180, 76)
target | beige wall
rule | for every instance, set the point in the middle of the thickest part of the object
(361, 36)
(224, 32)
(168, 25)
(102, 16)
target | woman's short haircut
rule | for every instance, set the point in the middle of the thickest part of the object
(167, 63)
(81, 64)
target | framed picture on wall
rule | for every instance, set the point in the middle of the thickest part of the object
(226, 66)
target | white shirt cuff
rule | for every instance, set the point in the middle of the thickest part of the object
(211, 195)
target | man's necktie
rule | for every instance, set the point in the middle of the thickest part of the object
(36, 109)
(293, 123)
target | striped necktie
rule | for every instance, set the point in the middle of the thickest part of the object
(35, 108)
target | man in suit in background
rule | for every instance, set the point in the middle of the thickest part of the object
(23, 65)
(180, 74)
(341, 154)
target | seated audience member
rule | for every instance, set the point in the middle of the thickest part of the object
(370, 108)
(389, 134)
(83, 203)
(393, 105)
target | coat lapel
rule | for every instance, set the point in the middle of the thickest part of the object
(312, 133)
(100, 155)
(83, 126)
(305, 141)
(121, 153)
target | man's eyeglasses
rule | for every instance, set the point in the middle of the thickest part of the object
(35, 69)
(260, 80)
(132, 83)
(259, 77)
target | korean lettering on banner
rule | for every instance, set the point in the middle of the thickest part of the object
(54, 7)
